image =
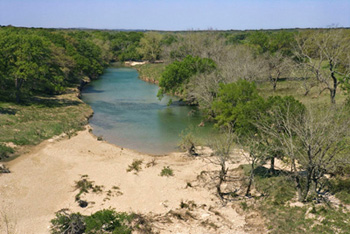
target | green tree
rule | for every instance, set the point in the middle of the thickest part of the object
(177, 74)
(29, 64)
(236, 104)
(124, 45)
(150, 46)
(259, 40)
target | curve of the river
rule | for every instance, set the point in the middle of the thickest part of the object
(128, 113)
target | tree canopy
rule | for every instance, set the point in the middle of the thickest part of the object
(178, 73)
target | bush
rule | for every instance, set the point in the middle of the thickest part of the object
(103, 221)
(84, 185)
(108, 221)
(67, 223)
(5, 151)
(341, 188)
(177, 74)
(188, 143)
(4, 169)
(135, 166)
(167, 171)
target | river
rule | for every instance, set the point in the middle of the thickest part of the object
(128, 113)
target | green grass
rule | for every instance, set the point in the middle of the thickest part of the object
(5, 151)
(295, 88)
(340, 187)
(42, 118)
(321, 219)
(278, 190)
(151, 71)
(282, 218)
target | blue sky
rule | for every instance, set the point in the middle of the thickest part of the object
(175, 14)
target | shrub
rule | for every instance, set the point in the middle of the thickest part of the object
(167, 171)
(151, 163)
(4, 169)
(188, 142)
(103, 221)
(341, 189)
(66, 223)
(135, 166)
(84, 185)
(5, 151)
(108, 221)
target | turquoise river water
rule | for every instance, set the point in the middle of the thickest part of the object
(128, 113)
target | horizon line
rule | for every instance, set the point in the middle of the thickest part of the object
(165, 30)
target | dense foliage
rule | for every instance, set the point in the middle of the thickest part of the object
(103, 221)
(42, 61)
(177, 74)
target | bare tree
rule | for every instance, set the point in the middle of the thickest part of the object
(241, 63)
(302, 71)
(237, 63)
(257, 151)
(313, 142)
(325, 52)
(201, 44)
(278, 66)
(222, 146)
(188, 143)
(204, 87)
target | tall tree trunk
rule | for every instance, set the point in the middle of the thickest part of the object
(298, 186)
(332, 95)
(274, 83)
(222, 176)
(297, 181)
(308, 184)
(333, 90)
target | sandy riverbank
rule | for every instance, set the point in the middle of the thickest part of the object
(42, 182)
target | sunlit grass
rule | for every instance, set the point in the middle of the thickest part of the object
(295, 88)
(42, 118)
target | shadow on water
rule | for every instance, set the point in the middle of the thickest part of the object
(93, 90)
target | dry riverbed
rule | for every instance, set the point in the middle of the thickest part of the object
(42, 182)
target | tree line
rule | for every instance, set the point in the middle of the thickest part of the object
(317, 57)
(46, 61)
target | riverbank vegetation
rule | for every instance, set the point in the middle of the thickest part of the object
(281, 96)
(40, 71)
